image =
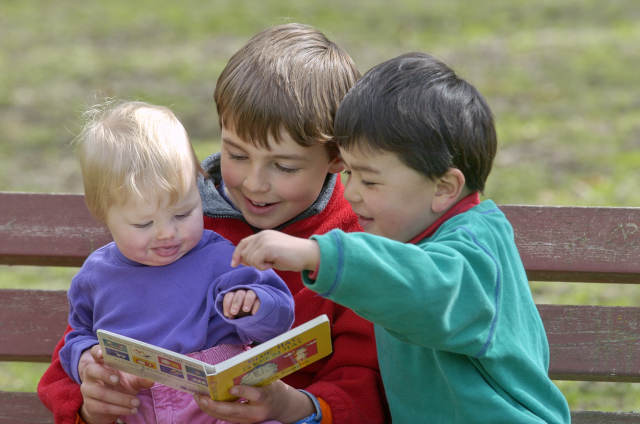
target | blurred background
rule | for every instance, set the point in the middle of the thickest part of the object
(562, 78)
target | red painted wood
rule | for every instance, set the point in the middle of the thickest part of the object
(23, 408)
(593, 342)
(31, 323)
(47, 229)
(595, 417)
(587, 244)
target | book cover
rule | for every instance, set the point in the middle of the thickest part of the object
(258, 366)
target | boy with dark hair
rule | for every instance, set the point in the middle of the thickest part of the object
(277, 168)
(459, 337)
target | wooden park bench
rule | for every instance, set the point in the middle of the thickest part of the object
(560, 244)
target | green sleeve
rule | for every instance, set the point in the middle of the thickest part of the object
(442, 295)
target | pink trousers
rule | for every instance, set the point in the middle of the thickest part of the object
(163, 405)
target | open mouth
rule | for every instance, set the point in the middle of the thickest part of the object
(259, 207)
(364, 221)
(166, 251)
(260, 204)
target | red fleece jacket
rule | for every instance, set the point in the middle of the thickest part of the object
(348, 380)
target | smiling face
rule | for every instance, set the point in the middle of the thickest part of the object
(152, 232)
(270, 187)
(390, 199)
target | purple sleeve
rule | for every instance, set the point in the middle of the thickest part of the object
(275, 315)
(82, 336)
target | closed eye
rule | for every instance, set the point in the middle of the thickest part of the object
(184, 215)
(237, 157)
(286, 169)
(145, 225)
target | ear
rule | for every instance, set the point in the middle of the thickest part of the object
(336, 165)
(449, 188)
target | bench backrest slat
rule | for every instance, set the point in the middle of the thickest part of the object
(556, 243)
(23, 408)
(32, 322)
(45, 229)
(599, 343)
(585, 244)
(586, 342)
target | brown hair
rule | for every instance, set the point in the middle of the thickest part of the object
(288, 77)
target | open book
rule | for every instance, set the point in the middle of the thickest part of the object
(257, 366)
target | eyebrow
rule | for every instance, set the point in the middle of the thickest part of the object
(277, 156)
(365, 168)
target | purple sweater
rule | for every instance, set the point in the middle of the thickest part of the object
(176, 306)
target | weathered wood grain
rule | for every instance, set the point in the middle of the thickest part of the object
(23, 408)
(584, 244)
(595, 417)
(45, 229)
(31, 323)
(593, 343)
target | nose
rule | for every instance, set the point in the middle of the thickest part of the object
(166, 231)
(256, 180)
(351, 191)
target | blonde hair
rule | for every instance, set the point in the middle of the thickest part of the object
(133, 149)
(288, 77)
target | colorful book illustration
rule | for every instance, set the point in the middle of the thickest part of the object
(258, 366)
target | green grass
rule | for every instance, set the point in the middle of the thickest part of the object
(560, 76)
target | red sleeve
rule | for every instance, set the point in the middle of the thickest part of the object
(58, 391)
(349, 379)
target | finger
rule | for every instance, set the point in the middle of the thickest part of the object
(256, 306)
(220, 410)
(237, 302)
(101, 399)
(96, 353)
(238, 253)
(229, 411)
(227, 300)
(95, 407)
(97, 372)
(133, 384)
(250, 393)
(250, 298)
(236, 258)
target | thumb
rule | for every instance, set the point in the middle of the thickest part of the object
(133, 384)
(140, 383)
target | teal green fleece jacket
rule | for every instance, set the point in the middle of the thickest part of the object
(459, 337)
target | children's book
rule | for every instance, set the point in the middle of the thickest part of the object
(258, 366)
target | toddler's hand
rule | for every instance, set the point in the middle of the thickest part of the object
(239, 303)
(106, 393)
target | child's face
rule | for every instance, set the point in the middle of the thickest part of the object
(155, 233)
(270, 187)
(390, 199)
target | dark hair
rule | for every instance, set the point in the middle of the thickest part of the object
(287, 77)
(417, 107)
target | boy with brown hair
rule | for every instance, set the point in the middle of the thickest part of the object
(277, 168)
(438, 272)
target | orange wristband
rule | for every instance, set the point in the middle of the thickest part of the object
(327, 418)
(79, 419)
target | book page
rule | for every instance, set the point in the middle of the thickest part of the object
(161, 365)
